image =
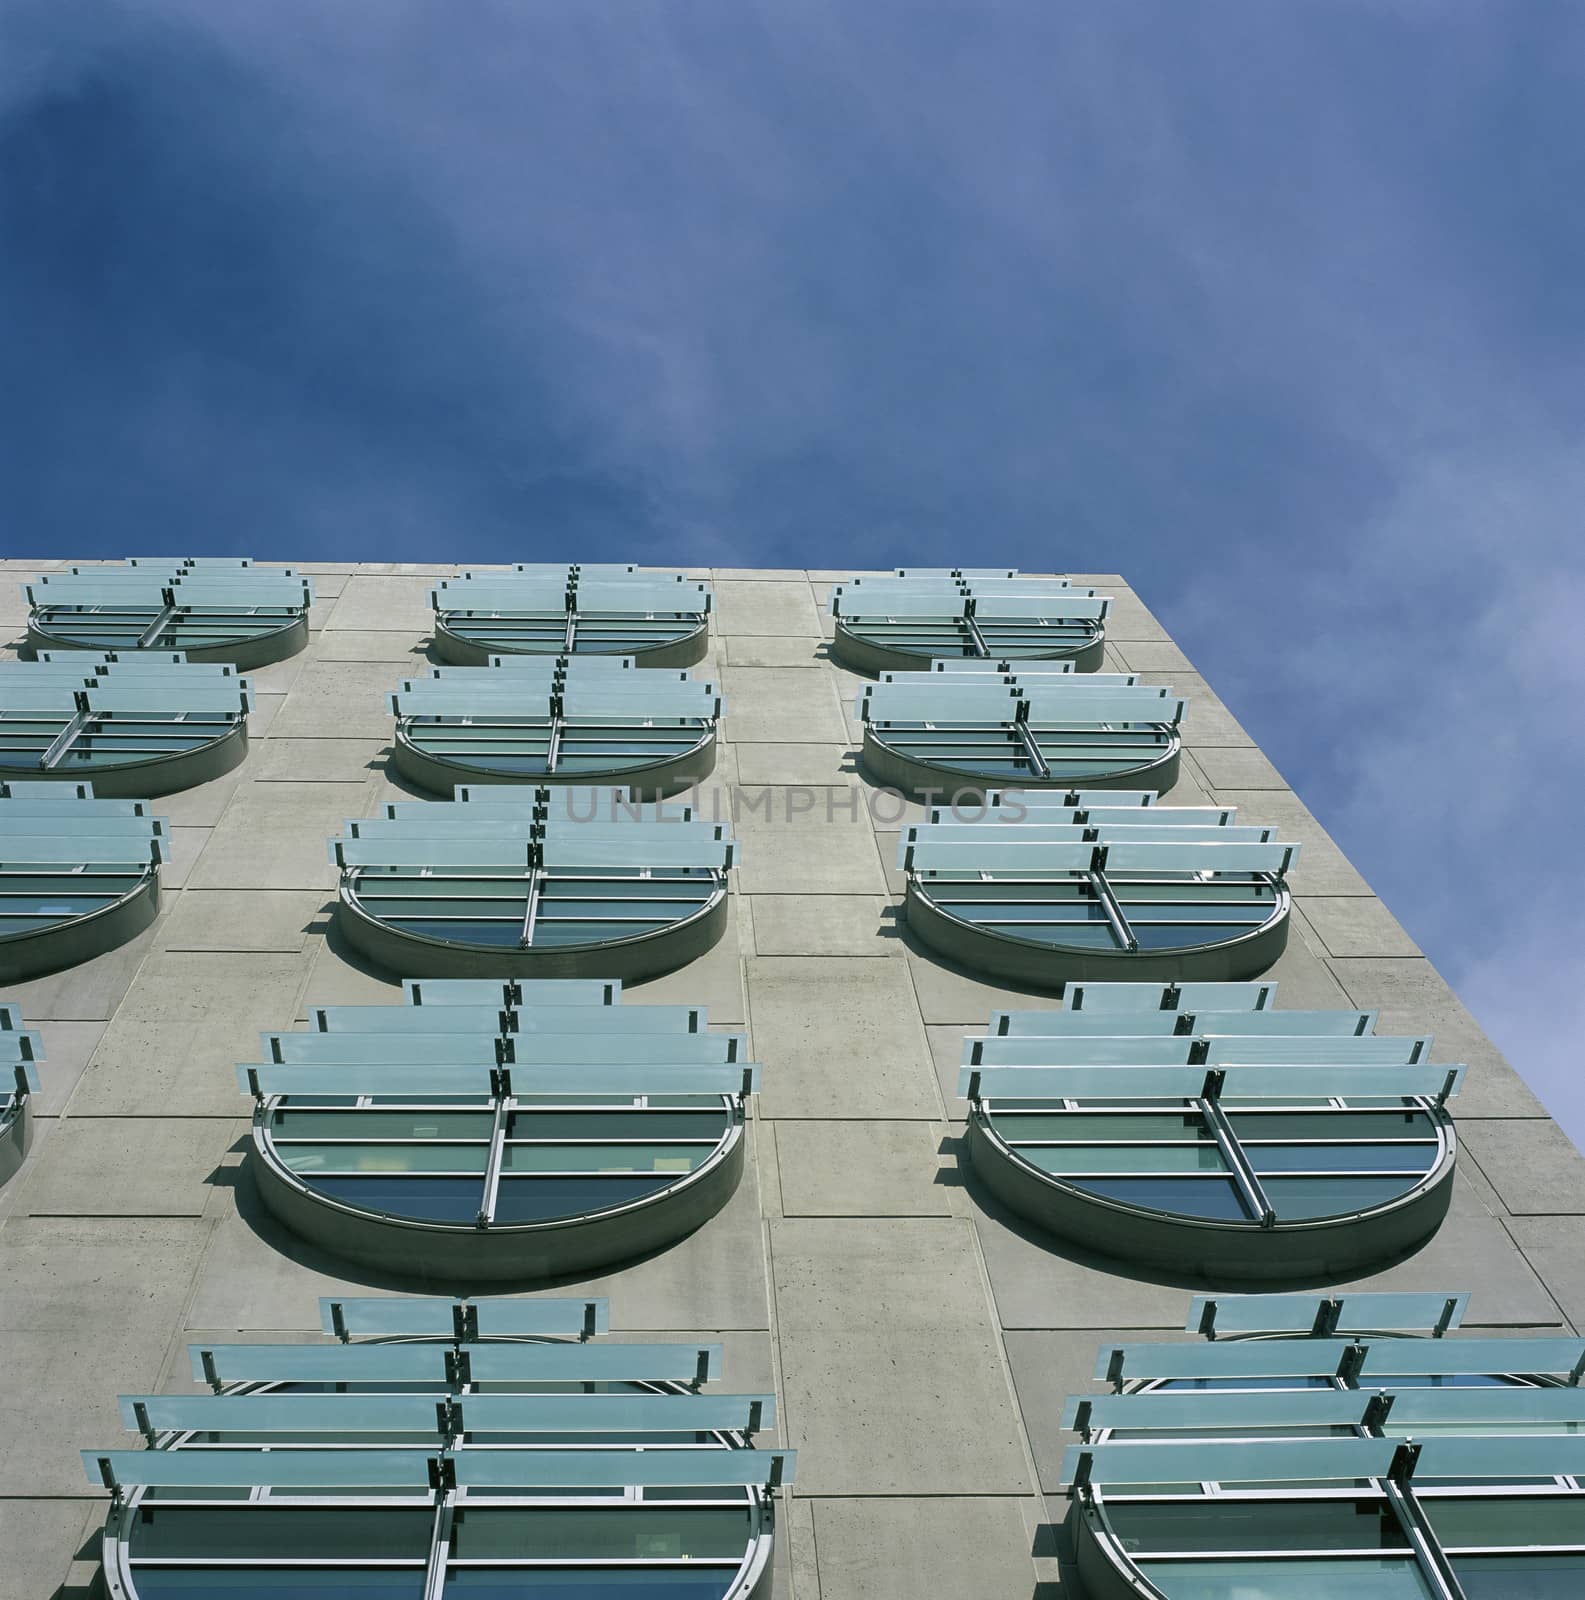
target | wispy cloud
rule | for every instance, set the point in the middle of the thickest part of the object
(1275, 309)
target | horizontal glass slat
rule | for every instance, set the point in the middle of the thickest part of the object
(424, 1363)
(614, 1413)
(276, 1469)
(528, 993)
(1294, 1358)
(1125, 856)
(1364, 1311)
(1125, 1082)
(431, 1047)
(928, 856)
(79, 850)
(182, 701)
(66, 823)
(1206, 1411)
(613, 1469)
(1184, 997)
(1236, 1461)
(1352, 1050)
(302, 1414)
(571, 1081)
(497, 1317)
(1083, 1051)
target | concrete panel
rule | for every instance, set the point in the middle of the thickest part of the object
(78, 1327)
(1323, 869)
(1531, 1165)
(245, 919)
(273, 836)
(186, 845)
(340, 976)
(861, 1169)
(974, 1548)
(1130, 620)
(379, 604)
(202, 807)
(188, 1020)
(1039, 1281)
(1235, 767)
(113, 1167)
(260, 1274)
(955, 995)
(41, 1538)
(1143, 656)
(320, 760)
(68, 1047)
(814, 764)
(404, 647)
(90, 991)
(1413, 998)
(824, 925)
(766, 608)
(946, 1053)
(751, 650)
(840, 1037)
(890, 1390)
(827, 851)
(757, 574)
(1472, 1250)
(1047, 1368)
(779, 706)
(714, 980)
(1208, 721)
(1552, 1247)
(1349, 925)
(1304, 981)
(340, 700)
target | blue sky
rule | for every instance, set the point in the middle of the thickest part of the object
(1277, 309)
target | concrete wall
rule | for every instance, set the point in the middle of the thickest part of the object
(920, 1341)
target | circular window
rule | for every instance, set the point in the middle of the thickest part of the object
(469, 1141)
(1042, 893)
(558, 719)
(1350, 1461)
(965, 726)
(20, 1050)
(658, 618)
(904, 622)
(78, 875)
(209, 610)
(135, 725)
(1233, 1143)
(493, 1459)
(533, 882)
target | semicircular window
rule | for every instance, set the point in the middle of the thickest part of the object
(557, 719)
(211, 609)
(136, 724)
(1033, 725)
(511, 881)
(470, 1448)
(1327, 1446)
(659, 618)
(547, 1128)
(78, 875)
(20, 1052)
(1193, 1128)
(1044, 889)
(905, 621)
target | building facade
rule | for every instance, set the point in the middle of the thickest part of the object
(918, 1330)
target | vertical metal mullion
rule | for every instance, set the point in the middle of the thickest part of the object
(1429, 1556)
(531, 910)
(439, 1546)
(1114, 912)
(1233, 1154)
(495, 1161)
(157, 626)
(1031, 748)
(63, 741)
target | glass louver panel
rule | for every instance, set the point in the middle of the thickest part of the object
(496, 1318)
